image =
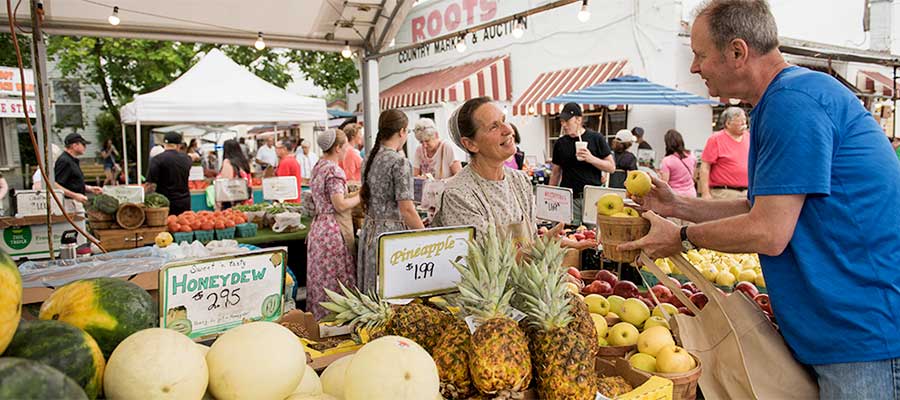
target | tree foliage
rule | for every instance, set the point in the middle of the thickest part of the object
(8, 51)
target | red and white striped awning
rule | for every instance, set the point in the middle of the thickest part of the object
(874, 82)
(552, 84)
(488, 77)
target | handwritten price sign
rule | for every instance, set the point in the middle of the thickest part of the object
(202, 298)
(417, 263)
(554, 203)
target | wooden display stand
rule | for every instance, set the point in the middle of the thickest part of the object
(118, 239)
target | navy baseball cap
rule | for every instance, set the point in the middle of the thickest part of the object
(570, 110)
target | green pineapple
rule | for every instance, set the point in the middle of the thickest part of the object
(499, 361)
(415, 321)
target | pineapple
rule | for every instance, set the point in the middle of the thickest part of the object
(451, 355)
(563, 359)
(414, 321)
(583, 324)
(499, 360)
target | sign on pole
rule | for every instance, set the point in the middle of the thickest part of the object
(591, 195)
(236, 189)
(203, 298)
(553, 203)
(417, 263)
(280, 188)
(126, 194)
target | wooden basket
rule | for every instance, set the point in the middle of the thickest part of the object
(156, 216)
(95, 215)
(685, 382)
(130, 215)
(617, 230)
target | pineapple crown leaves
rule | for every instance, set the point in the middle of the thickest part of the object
(485, 288)
(356, 308)
(541, 289)
(547, 250)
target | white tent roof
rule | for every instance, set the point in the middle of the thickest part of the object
(218, 90)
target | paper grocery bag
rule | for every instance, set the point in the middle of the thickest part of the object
(743, 356)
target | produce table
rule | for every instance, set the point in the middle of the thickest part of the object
(198, 199)
(296, 248)
(268, 236)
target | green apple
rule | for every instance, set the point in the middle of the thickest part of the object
(747, 275)
(674, 359)
(599, 324)
(725, 278)
(610, 204)
(615, 304)
(637, 183)
(644, 362)
(597, 304)
(635, 312)
(658, 310)
(652, 340)
(623, 334)
(656, 321)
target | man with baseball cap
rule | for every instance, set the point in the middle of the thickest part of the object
(579, 157)
(169, 171)
(67, 170)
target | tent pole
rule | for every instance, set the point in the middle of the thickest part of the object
(370, 101)
(137, 135)
(124, 153)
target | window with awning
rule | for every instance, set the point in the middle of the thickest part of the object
(555, 83)
(488, 77)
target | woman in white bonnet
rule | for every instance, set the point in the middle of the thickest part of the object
(433, 156)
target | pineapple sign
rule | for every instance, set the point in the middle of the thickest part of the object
(417, 263)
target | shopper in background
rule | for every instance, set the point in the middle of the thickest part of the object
(329, 257)
(638, 133)
(387, 193)
(67, 170)
(193, 150)
(307, 160)
(433, 156)
(244, 148)
(517, 161)
(723, 171)
(109, 153)
(265, 155)
(169, 173)
(234, 165)
(678, 165)
(288, 165)
(625, 160)
(352, 162)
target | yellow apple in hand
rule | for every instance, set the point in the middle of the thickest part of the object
(631, 212)
(610, 204)
(637, 183)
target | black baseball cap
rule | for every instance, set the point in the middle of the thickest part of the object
(73, 138)
(172, 138)
(570, 110)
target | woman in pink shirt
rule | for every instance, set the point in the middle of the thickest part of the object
(678, 166)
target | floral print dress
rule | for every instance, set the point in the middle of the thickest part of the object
(328, 260)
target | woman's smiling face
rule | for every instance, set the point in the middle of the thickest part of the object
(494, 139)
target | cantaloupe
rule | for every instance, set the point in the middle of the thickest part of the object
(259, 360)
(204, 349)
(320, 396)
(392, 368)
(334, 376)
(310, 384)
(156, 363)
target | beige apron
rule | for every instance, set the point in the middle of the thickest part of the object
(520, 232)
(345, 222)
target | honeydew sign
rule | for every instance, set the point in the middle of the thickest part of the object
(203, 298)
(418, 263)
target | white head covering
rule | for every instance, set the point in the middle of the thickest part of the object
(624, 135)
(326, 139)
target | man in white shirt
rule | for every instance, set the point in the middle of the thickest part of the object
(307, 160)
(266, 156)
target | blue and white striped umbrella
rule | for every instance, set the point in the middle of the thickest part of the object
(631, 90)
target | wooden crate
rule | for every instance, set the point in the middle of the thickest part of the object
(118, 239)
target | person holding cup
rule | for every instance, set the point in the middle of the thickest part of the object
(579, 157)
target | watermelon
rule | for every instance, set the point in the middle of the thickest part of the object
(109, 309)
(27, 379)
(64, 347)
(10, 299)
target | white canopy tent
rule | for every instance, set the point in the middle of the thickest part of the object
(217, 90)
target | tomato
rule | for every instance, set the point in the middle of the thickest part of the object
(173, 227)
(207, 226)
(229, 224)
(186, 228)
(170, 219)
(195, 225)
(220, 225)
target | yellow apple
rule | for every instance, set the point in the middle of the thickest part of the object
(572, 288)
(709, 272)
(610, 204)
(725, 278)
(599, 324)
(652, 340)
(602, 341)
(656, 321)
(637, 183)
(759, 281)
(620, 215)
(597, 304)
(747, 275)
(631, 212)
(674, 359)
(635, 312)
(671, 309)
(644, 362)
(735, 270)
(615, 304)
(622, 334)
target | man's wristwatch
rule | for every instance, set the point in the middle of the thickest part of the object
(686, 244)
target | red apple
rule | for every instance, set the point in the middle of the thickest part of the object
(598, 287)
(699, 300)
(685, 311)
(691, 286)
(574, 272)
(648, 302)
(608, 277)
(626, 289)
(663, 294)
(763, 301)
(675, 282)
(747, 288)
(578, 236)
(590, 234)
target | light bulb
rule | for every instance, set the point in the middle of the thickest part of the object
(584, 15)
(612, 107)
(734, 101)
(518, 30)
(114, 17)
(260, 44)
(392, 43)
(346, 52)
(461, 45)
(531, 109)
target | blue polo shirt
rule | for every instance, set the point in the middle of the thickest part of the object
(835, 289)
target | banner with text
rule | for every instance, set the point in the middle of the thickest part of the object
(417, 263)
(12, 108)
(553, 203)
(11, 82)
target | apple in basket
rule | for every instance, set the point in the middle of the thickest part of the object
(662, 293)
(598, 287)
(574, 272)
(685, 311)
(690, 286)
(747, 288)
(608, 277)
(626, 289)
(699, 300)
(762, 300)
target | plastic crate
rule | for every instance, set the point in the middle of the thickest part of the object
(246, 230)
(204, 236)
(227, 233)
(180, 237)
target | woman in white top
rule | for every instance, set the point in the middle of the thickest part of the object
(433, 156)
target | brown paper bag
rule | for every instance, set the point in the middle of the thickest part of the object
(744, 357)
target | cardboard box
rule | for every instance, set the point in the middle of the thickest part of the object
(28, 236)
(147, 280)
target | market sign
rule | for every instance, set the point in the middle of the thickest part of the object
(592, 194)
(12, 108)
(203, 298)
(237, 189)
(11, 82)
(280, 188)
(34, 202)
(553, 203)
(196, 174)
(126, 193)
(417, 263)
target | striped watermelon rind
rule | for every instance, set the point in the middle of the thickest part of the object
(27, 379)
(10, 299)
(64, 347)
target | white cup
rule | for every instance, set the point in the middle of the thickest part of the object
(580, 145)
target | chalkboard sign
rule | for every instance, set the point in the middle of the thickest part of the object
(203, 298)
(417, 263)
(553, 203)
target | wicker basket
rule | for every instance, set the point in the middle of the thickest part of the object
(617, 230)
(156, 216)
(130, 215)
(685, 383)
(96, 215)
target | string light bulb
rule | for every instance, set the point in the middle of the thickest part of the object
(734, 101)
(392, 43)
(260, 43)
(114, 17)
(584, 15)
(461, 44)
(518, 29)
(612, 107)
(346, 52)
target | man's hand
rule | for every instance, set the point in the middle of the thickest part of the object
(586, 156)
(93, 189)
(663, 240)
(660, 199)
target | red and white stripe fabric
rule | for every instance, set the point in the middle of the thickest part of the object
(875, 82)
(488, 77)
(552, 84)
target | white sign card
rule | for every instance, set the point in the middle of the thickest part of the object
(417, 263)
(232, 189)
(646, 157)
(280, 188)
(196, 173)
(202, 298)
(126, 194)
(34, 202)
(553, 203)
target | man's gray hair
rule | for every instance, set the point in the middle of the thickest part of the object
(750, 20)
(731, 113)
